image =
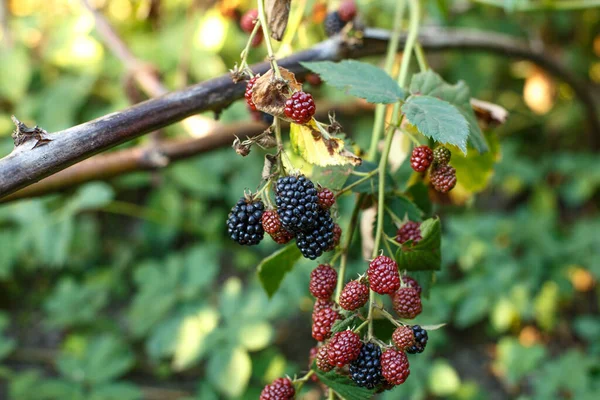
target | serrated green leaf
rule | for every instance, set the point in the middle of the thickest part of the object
(343, 386)
(431, 84)
(420, 196)
(437, 119)
(273, 268)
(402, 207)
(474, 171)
(425, 255)
(358, 79)
(343, 324)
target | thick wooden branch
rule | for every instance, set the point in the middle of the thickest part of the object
(27, 165)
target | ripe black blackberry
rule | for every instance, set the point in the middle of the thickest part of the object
(421, 338)
(333, 24)
(244, 222)
(365, 371)
(314, 242)
(297, 203)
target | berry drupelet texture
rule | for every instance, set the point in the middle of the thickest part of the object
(411, 282)
(394, 366)
(343, 348)
(322, 323)
(270, 222)
(300, 107)
(354, 295)
(282, 236)
(326, 198)
(322, 281)
(333, 24)
(280, 389)
(441, 156)
(383, 275)
(321, 304)
(411, 230)
(365, 371)
(407, 303)
(403, 337)
(421, 338)
(297, 203)
(314, 242)
(421, 158)
(347, 10)
(248, 93)
(244, 222)
(443, 178)
(322, 359)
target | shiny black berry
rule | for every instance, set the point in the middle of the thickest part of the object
(297, 203)
(365, 371)
(333, 23)
(244, 224)
(420, 335)
(313, 242)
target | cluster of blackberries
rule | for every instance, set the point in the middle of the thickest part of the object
(303, 212)
(442, 175)
(337, 20)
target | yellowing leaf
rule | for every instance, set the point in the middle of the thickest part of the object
(255, 336)
(309, 143)
(191, 338)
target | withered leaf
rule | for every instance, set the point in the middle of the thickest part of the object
(316, 149)
(278, 12)
(270, 93)
(489, 113)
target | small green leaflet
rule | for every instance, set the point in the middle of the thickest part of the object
(343, 324)
(343, 386)
(437, 119)
(425, 255)
(358, 79)
(431, 84)
(273, 268)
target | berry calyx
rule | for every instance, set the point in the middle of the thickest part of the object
(322, 281)
(244, 222)
(407, 303)
(383, 275)
(365, 371)
(441, 155)
(343, 348)
(354, 295)
(421, 158)
(411, 282)
(248, 93)
(279, 389)
(297, 203)
(394, 366)
(300, 107)
(403, 337)
(322, 323)
(270, 222)
(421, 338)
(409, 231)
(347, 10)
(333, 24)
(326, 198)
(443, 178)
(322, 359)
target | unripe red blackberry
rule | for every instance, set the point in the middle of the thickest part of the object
(282, 236)
(354, 295)
(411, 282)
(421, 338)
(270, 221)
(321, 304)
(322, 323)
(244, 222)
(314, 80)
(407, 303)
(441, 156)
(300, 107)
(394, 366)
(409, 231)
(343, 348)
(326, 198)
(337, 234)
(403, 337)
(280, 389)
(383, 275)
(323, 280)
(248, 93)
(421, 158)
(347, 10)
(443, 178)
(248, 20)
(322, 359)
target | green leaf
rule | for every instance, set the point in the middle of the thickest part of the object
(273, 268)
(402, 207)
(420, 196)
(343, 324)
(343, 386)
(431, 84)
(474, 171)
(71, 303)
(91, 196)
(332, 177)
(426, 280)
(358, 79)
(437, 119)
(229, 370)
(16, 72)
(425, 255)
(116, 391)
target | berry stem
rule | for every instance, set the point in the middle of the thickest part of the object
(331, 395)
(262, 15)
(389, 316)
(346, 247)
(358, 182)
(358, 329)
(300, 381)
(246, 51)
(421, 59)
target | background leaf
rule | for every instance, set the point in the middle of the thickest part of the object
(272, 269)
(425, 255)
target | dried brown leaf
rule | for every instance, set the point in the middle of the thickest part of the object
(269, 93)
(278, 12)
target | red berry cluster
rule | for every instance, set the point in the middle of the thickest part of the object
(442, 175)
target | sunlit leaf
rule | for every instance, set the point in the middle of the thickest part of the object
(191, 337)
(310, 144)
(272, 269)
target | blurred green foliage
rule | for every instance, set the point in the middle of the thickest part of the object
(130, 289)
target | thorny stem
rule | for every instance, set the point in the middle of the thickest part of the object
(392, 50)
(358, 182)
(262, 15)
